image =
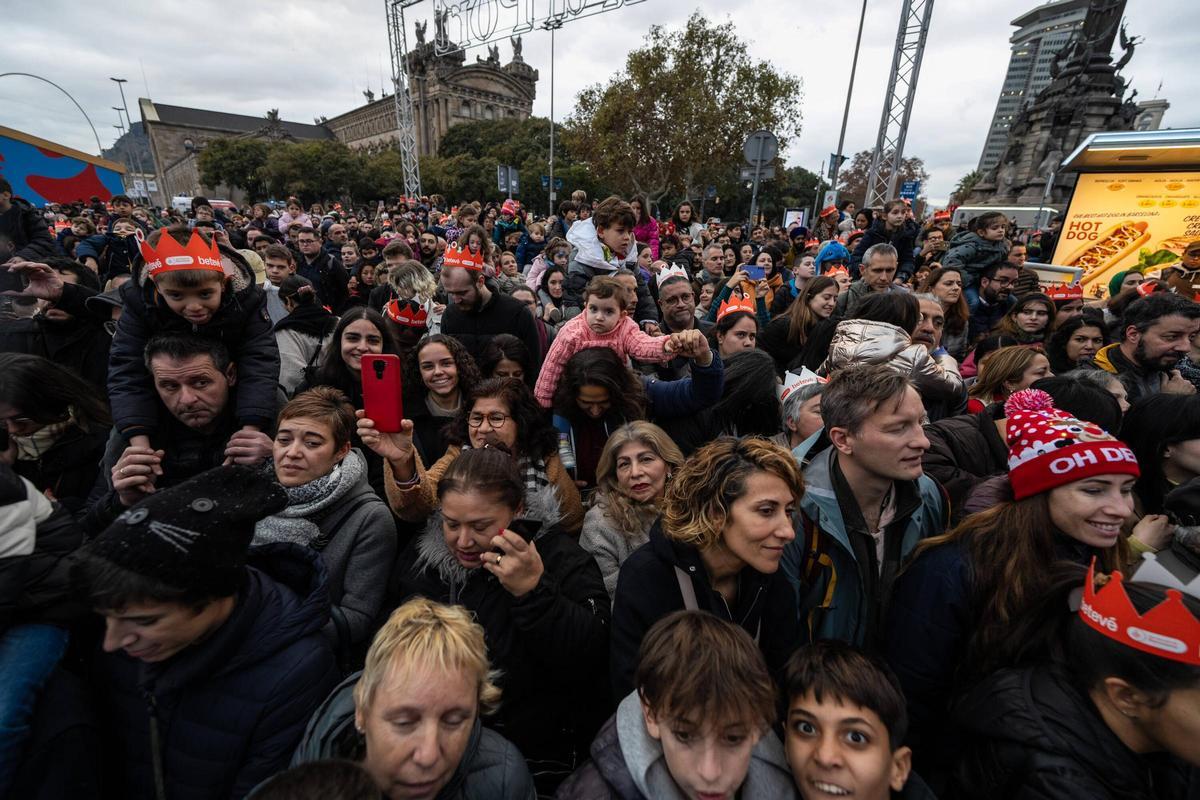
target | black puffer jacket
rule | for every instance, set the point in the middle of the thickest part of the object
(551, 645)
(27, 228)
(1031, 733)
(230, 710)
(242, 324)
(964, 451)
(491, 767)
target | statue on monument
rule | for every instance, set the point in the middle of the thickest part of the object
(1128, 43)
(439, 23)
(517, 47)
(493, 54)
(421, 28)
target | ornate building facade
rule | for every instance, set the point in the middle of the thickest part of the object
(446, 91)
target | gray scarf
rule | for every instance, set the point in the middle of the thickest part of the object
(307, 501)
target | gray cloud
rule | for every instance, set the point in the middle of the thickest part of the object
(309, 59)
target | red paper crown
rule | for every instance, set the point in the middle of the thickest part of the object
(409, 313)
(735, 305)
(1148, 287)
(463, 257)
(828, 210)
(171, 256)
(1169, 630)
(938, 216)
(1064, 291)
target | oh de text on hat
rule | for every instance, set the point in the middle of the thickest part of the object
(1048, 448)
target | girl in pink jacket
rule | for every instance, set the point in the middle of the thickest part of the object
(603, 323)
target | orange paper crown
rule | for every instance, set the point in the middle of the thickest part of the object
(734, 305)
(1169, 630)
(463, 257)
(171, 256)
(409, 313)
(838, 270)
(1064, 291)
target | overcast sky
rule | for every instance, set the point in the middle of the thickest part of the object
(308, 59)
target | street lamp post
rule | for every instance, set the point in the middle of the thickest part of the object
(837, 163)
(137, 156)
(552, 25)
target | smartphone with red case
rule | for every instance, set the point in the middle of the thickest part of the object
(382, 391)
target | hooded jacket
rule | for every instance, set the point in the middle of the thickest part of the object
(491, 767)
(1139, 382)
(821, 565)
(971, 254)
(628, 764)
(299, 337)
(550, 645)
(860, 341)
(225, 714)
(241, 323)
(904, 240)
(1030, 733)
(648, 589)
(28, 230)
(590, 257)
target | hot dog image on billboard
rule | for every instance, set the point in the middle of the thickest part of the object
(1123, 221)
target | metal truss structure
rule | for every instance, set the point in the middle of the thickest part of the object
(480, 22)
(897, 103)
(405, 121)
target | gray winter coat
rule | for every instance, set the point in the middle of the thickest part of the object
(861, 341)
(607, 543)
(972, 254)
(490, 769)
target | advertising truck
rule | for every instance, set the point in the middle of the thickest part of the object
(1135, 206)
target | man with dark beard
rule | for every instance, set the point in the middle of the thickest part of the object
(1156, 332)
(428, 252)
(476, 310)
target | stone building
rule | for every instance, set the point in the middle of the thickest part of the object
(446, 91)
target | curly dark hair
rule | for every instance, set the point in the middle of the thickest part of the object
(599, 366)
(536, 437)
(468, 373)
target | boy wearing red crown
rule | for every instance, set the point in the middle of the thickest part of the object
(603, 323)
(188, 286)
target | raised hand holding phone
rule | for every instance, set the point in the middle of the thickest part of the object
(382, 390)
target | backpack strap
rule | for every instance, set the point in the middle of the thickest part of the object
(687, 590)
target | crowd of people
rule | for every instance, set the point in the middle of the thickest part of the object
(670, 508)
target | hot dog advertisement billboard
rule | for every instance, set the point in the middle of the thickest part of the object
(1122, 221)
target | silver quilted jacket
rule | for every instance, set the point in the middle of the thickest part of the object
(860, 341)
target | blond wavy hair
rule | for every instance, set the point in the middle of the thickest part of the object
(699, 499)
(422, 634)
(628, 514)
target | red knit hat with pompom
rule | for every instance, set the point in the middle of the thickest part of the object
(1048, 448)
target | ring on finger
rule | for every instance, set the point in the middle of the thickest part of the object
(121, 471)
(498, 557)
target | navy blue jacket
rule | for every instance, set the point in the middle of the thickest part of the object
(904, 240)
(241, 323)
(230, 710)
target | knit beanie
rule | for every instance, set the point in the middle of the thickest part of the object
(193, 536)
(1048, 448)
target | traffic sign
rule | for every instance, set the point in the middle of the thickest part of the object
(761, 148)
(764, 173)
(909, 190)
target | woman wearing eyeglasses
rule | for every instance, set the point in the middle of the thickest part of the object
(498, 411)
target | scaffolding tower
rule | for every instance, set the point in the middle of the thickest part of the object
(405, 123)
(897, 103)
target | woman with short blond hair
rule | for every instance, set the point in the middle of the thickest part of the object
(412, 716)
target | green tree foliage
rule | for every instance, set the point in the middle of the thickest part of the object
(966, 184)
(674, 120)
(792, 187)
(314, 170)
(234, 162)
(852, 178)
